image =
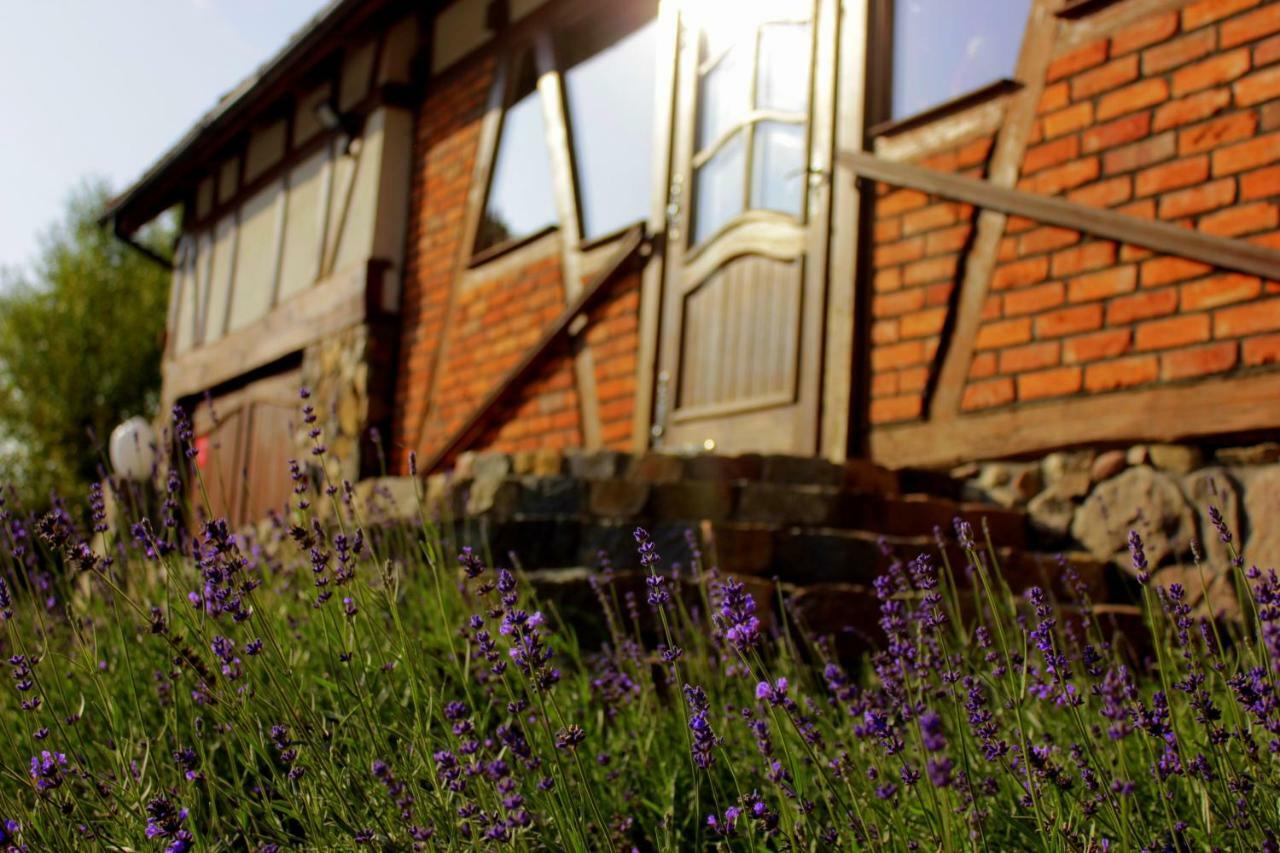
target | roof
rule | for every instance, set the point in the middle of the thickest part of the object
(165, 183)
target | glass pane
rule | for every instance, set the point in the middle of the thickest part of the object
(723, 97)
(610, 102)
(717, 188)
(943, 49)
(782, 76)
(521, 200)
(777, 170)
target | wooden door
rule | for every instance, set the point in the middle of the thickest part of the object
(747, 220)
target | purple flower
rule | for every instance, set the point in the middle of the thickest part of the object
(1139, 557)
(46, 770)
(164, 821)
(737, 619)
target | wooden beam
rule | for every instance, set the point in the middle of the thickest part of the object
(946, 383)
(1236, 255)
(1165, 413)
(629, 248)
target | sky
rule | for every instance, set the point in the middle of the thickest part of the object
(104, 87)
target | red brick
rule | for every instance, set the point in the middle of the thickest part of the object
(1214, 71)
(1165, 270)
(884, 384)
(1120, 373)
(888, 229)
(1219, 290)
(1094, 53)
(1105, 344)
(1104, 78)
(1118, 132)
(930, 269)
(1139, 154)
(1140, 306)
(884, 332)
(1198, 361)
(1049, 383)
(1054, 97)
(1148, 30)
(1252, 26)
(1102, 285)
(1020, 273)
(974, 153)
(1089, 256)
(1260, 184)
(1196, 200)
(1258, 151)
(903, 408)
(983, 365)
(1266, 52)
(1247, 319)
(1257, 87)
(929, 218)
(1262, 350)
(1130, 99)
(899, 201)
(1067, 120)
(913, 379)
(1047, 239)
(1032, 300)
(938, 294)
(1172, 176)
(900, 252)
(905, 354)
(1106, 193)
(1064, 177)
(922, 323)
(1219, 131)
(1208, 11)
(1069, 321)
(1050, 154)
(1172, 332)
(1192, 108)
(984, 395)
(1003, 333)
(1158, 60)
(1031, 356)
(1144, 209)
(947, 239)
(888, 280)
(896, 303)
(1246, 219)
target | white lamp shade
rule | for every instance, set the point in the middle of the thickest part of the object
(133, 449)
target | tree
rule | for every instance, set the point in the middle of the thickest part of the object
(80, 346)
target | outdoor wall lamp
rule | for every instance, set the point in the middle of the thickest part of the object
(132, 449)
(346, 123)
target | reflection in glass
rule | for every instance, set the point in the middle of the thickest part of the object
(943, 49)
(521, 200)
(778, 167)
(723, 97)
(717, 188)
(782, 72)
(610, 102)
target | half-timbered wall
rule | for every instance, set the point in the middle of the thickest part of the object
(1163, 111)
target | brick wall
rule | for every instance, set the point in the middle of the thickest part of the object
(920, 242)
(1175, 117)
(472, 333)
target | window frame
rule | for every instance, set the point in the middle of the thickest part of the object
(880, 62)
(539, 40)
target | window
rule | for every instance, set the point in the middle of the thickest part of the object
(752, 124)
(943, 49)
(608, 88)
(521, 200)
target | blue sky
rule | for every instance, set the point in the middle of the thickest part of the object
(103, 87)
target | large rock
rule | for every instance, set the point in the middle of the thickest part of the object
(1266, 453)
(1144, 499)
(1051, 512)
(1214, 487)
(1262, 507)
(1175, 458)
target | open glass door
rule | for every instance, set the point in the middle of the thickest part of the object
(749, 204)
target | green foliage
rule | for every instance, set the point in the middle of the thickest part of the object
(80, 343)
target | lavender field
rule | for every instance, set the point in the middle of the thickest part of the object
(342, 684)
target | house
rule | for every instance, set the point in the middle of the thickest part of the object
(914, 231)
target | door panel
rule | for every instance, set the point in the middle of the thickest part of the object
(743, 279)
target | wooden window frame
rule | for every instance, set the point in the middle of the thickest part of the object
(748, 123)
(539, 38)
(879, 103)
